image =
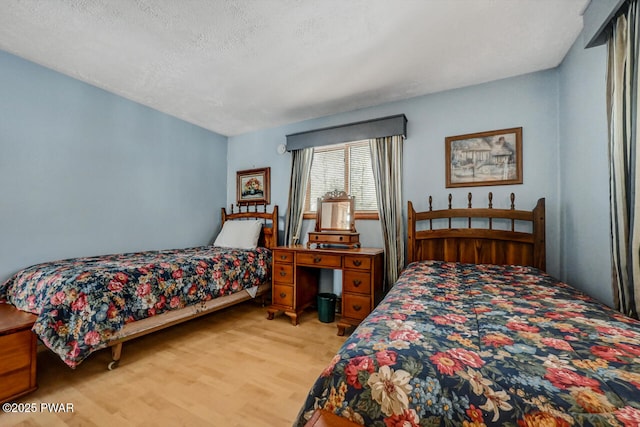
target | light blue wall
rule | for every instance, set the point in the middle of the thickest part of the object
(562, 112)
(85, 172)
(530, 101)
(584, 173)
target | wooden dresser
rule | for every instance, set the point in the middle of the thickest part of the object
(17, 353)
(295, 281)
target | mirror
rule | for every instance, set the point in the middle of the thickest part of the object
(335, 212)
(335, 216)
(335, 222)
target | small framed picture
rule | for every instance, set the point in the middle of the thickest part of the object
(253, 186)
(484, 158)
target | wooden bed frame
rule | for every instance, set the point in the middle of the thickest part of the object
(470, 235)
(268, 238)
(479, 242)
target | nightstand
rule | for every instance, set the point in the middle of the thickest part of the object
(17, 353)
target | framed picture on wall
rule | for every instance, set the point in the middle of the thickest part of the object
(484, 158)
(253, 186)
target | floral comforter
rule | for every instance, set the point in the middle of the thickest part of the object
(484, 345)
(82, 302)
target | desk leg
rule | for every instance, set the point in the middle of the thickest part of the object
(271, 312)
(341, 328)
(293, 316)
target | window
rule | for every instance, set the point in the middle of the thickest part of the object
(343, 167)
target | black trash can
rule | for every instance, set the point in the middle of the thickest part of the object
(327, 307)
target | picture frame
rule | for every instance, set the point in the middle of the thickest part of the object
(253, 186)
(484, 158)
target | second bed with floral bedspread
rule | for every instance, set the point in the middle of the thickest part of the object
(82, 302)
(480, 345)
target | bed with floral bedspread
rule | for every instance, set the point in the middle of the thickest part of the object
(484, 345)
(82, 302)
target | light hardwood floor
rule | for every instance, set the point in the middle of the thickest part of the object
(230, 368)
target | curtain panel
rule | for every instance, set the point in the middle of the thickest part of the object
(622, 112)
(300, 170)
(386, 161)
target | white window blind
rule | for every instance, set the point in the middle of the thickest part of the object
(343, 167)
(361, 184)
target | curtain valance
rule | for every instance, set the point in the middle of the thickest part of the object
(368, 129)
(598, 18)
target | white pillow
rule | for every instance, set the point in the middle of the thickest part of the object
(240, 234)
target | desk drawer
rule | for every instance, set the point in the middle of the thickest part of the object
(356, 281)
(283, 295)
(283, 273)
(358, 262)
(320, 260)
(283, 256)
(355, 306)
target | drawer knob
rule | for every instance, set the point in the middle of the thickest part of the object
(283, 273)
(282, 295)
(357, 307)
(357, 263)
(283, 257)
(317, 259)
(357, 283)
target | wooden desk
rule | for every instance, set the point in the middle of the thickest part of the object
(17, 353)
(295, 281)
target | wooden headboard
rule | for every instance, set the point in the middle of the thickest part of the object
(269, 234)
(470, 235)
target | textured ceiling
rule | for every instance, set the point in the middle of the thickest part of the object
(234, 66)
